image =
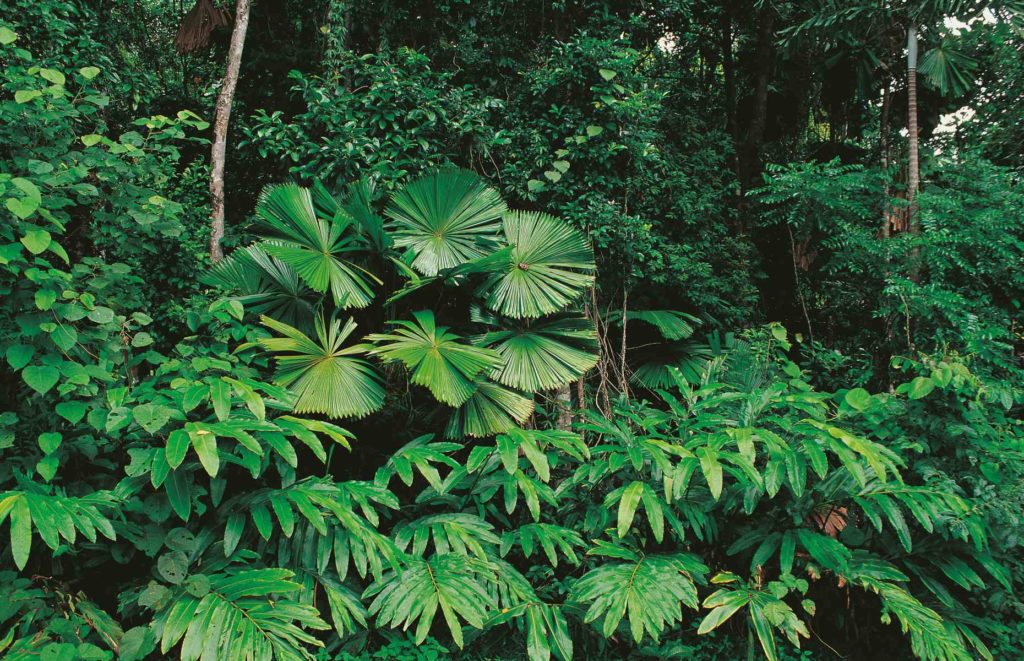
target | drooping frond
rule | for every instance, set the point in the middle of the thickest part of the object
(326, 377)
(650, 590)
(491, 409)
(235, 617)
(264, 285)
(439, 359)
(544, 355)
(451, 582)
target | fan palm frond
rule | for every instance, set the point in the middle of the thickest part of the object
(492, 409)
(318, 250)
(439, 359)
(326, 377)
(446, 218)
(550, 266)
(670, 324)
(544, 355)
(264, 285)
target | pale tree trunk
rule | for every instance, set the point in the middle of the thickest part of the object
(913, 167)
(883, 133)
(563, 400)
(220, 128)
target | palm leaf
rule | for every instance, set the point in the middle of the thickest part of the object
(357, 203)
(652, 366)
(439, 360)
(948, 70)
(315, 248)
(544, 355)
(492, 409)
(550, 266)
(325, 377)
(264, 285)
(651, 590)
(670, 324)
(446, 218)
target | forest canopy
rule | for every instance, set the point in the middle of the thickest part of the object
(511, 330)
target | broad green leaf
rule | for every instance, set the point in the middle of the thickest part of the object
(178, 442)
(37, 241)
(205, 444)
(41, 378)
(73, 412)
(858, 398)
(21, 531)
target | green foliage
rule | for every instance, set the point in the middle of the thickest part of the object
(554, 447)
(445, 225)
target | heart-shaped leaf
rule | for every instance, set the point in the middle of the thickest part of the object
(151, 416)
(41, 378)
(36, 241)
(50, 441)
(18, 355)
(73, 412)
(47, 467)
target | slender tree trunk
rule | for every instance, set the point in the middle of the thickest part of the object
(729, 75)
(913, 171)
(563, 399)
(883, 133)
(220, 128)
(750, 151)
(623, 374)
(765, 60)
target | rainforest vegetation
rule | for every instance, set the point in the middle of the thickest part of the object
(475, 329)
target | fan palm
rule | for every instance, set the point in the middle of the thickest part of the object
(545, 354)
(325, 377)
(265, 285)
(446, 218)
(439, 360)
(550, 266)
(492, 409)
(318, 250)
(357, 203)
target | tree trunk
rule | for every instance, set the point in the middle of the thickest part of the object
(563, 400)
(883, 134)
(750, 150)
(913, 171)
(765, 60)
(220, 128)
(729, 75)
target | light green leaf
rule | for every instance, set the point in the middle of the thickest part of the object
(627, 506)
(205, 444)
(41, 378)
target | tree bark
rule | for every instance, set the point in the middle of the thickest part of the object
(220, 128)
(750, 150)
(913, 171)
(563, 399)
(883, 134)
(765, 61)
